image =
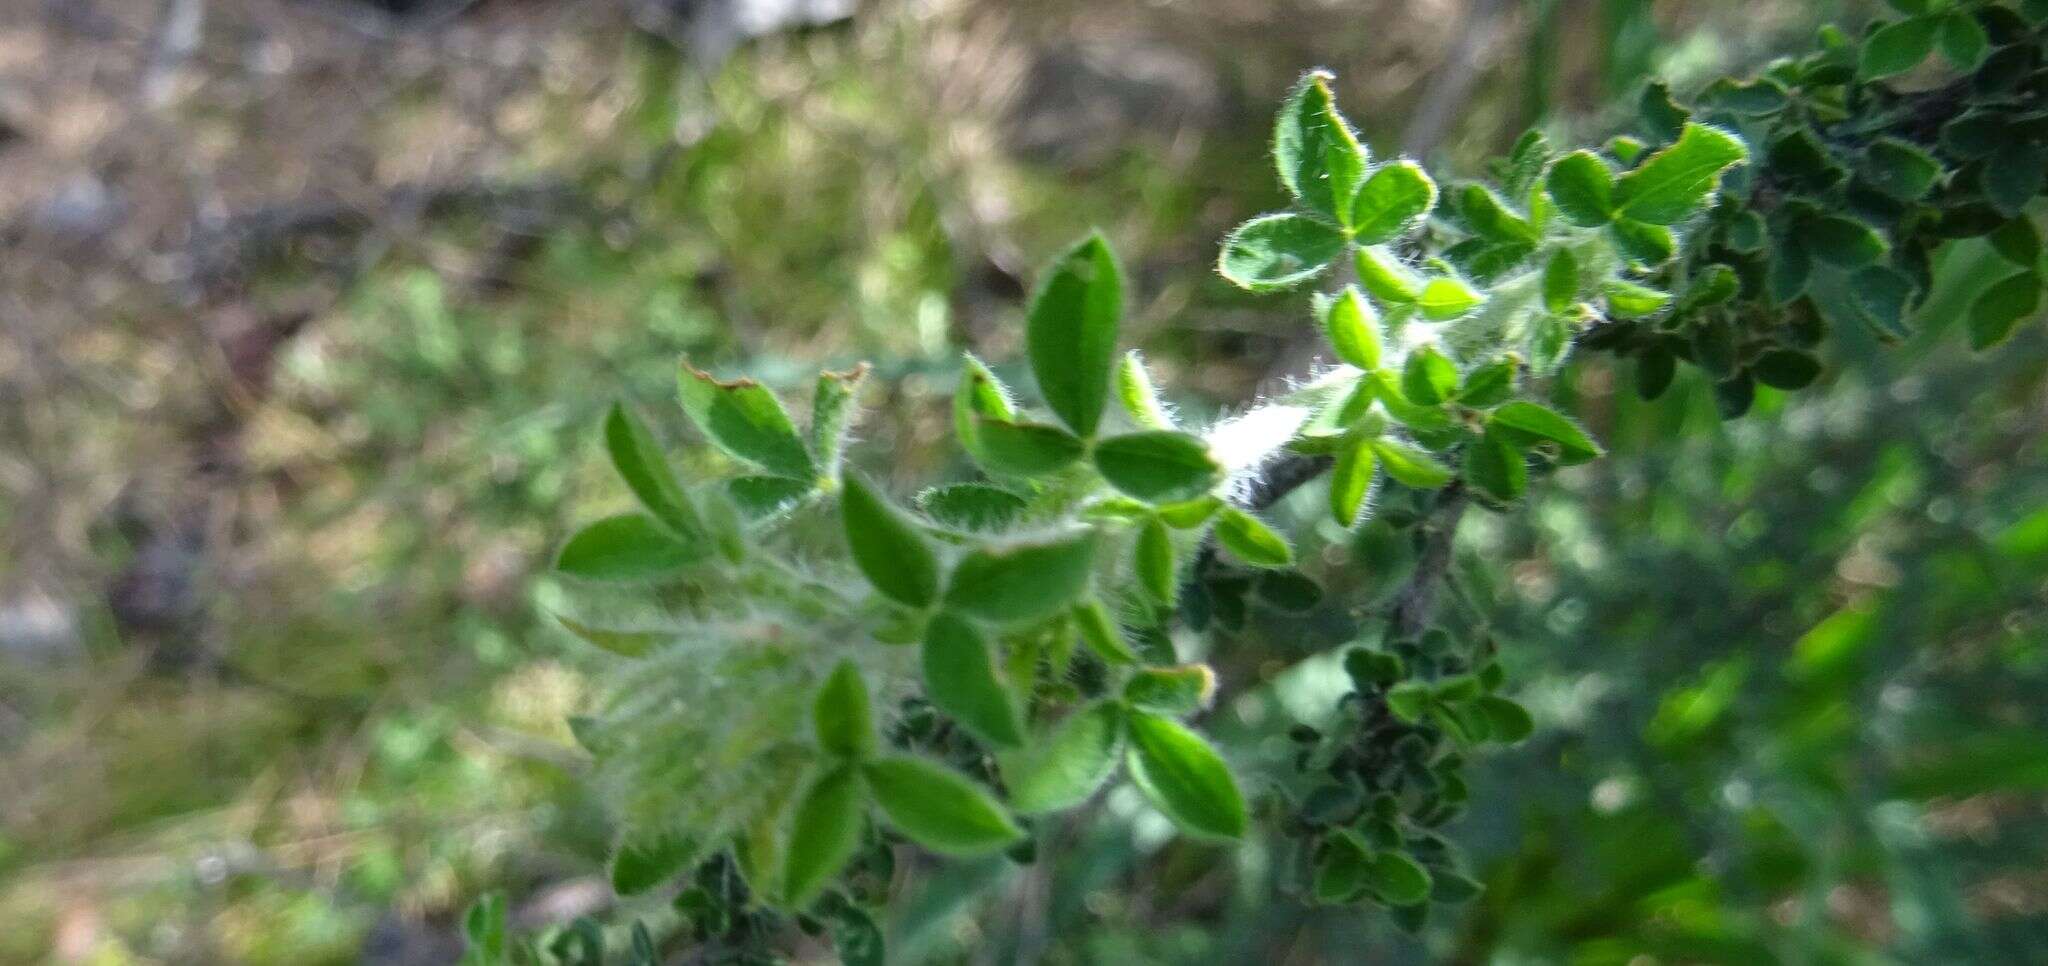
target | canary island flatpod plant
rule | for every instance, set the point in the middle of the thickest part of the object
(786, 705)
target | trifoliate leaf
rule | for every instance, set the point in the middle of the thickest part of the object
(961, 679)
(1184, 777)
(1070, 333)
(939, 808)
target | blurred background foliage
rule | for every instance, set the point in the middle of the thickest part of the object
(309, 309)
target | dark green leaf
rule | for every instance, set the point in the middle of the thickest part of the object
(1341, 867)
(641, 863)
(1996, 312)
(1963, 41)
(1898, 47)
(1273, 252)
(887, 547)
(1662, 118)
(1184, 777)
(939, 808)
(1022, 582)
(745, 420)
(1159, 466)
(1494, 465)
(1023, 448)
(1785, 369)
(1510, 722)
(961, 679)
(630, 546)
(972, 506)
(1529, 422)
(1397, 879)
(1645, 245)
(1583, 189)
(2014, 175)
(1429, 377)
(1070, 332)
(1899, 169)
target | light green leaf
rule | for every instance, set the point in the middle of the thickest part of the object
(1561, 281)
(1184, 777)
(1644, 244)
(1898, 47)
(1583, 188)
(939, 808)
(1627, 300)
(1158, 466)
(1317, 154)
(1100, 632)
(1023, 448)
(1273, 252)
(1140, 399)
(832, 413)
(630, 546)
(1490, 218)
(1061, 769)
(961, 679)
(1429, 377)
(1445, 298)
(1022, 582)
(887, 547)
(1070, 332)
(840, 714)
(641, 463)
(745, 420)
(1386, 278)
(1250, 540)
(1392, 201)
(1411, 466)
(1673, 184)
(623, 643)
(1177, 691)
(1351, 481)
(1408, 700)
(1528, 421)
(1154, 562)
(972, 506)
(824, 831)
(1353, 328)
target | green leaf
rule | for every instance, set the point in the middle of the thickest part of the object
(1100, 632)
(745, 420)
(1177, 691)
(1289, 590)
(1490, 384)
(641, 863)
(1841, 241)
(1561, 281)
(972, 506)
(630, 546)
(759, 496)
(1392, 202)
(1397, 879)
(641, 463)
(1154, 562)
(1662, 118)
(1429, 377)
(620, 642)
(1022, 582)
(1508, 721)
(960, 678)
(2014, 175)
(1351, 481)
(1059, 770)
(1184, 777)
(483, 931)
(1490, 218)
(1273, 252)
(1341, 867)
(824, 831)
(840, 714)
(1714, 285)
(1353, 328)
(1023, 448)
(1386, 278)
(1899, 169)
(1995, 313)
(1963, 41)
(832, 414)
(1140, 399)
(1673, 184)
(1158, 466)
(1495, 465)
(1410, 466)
(939, 808)
(1527, 421)
(1445, 298)
(2017, 241)
(1070, 333)
(1250, 540)
(856, 938)
(1627, 300)
(1318, 156)
(1897, 47)
(887, 546)
(1583, 188)
(1408, 700)
(1646, 245)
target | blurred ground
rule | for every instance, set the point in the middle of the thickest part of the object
(307, 309)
